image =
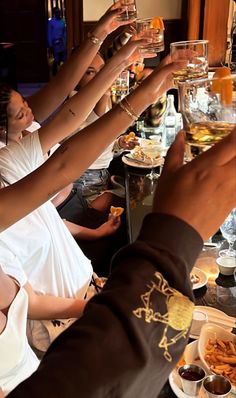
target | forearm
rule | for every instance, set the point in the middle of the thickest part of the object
(55, 92)
(82, 232)
(77, 109)
(52, 307)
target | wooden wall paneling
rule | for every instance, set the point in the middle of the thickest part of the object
(216, 14)
(74, 22)
(193, 19)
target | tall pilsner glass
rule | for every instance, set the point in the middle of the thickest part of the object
(208, 107)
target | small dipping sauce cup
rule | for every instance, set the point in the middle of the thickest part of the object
(199, 319)
(191, 377)
(217, 386)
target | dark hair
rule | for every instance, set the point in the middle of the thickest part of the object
(5, 95)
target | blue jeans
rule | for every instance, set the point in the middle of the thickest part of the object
(93, 182)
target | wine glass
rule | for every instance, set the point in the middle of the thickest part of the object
(152, 151)
(208, 107)
(228, 230)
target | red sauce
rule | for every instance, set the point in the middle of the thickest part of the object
(191, 375)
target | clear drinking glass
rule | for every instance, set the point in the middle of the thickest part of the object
(129, 10)
(120, 87)
(208, 108)
(228, 230)
(152, 151)
(195, 52)
(152, 30)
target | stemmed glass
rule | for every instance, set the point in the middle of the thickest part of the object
(152, 151)
(228, 230)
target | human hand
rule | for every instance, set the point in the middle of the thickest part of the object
(161, 79)
(109, 227)
(128, 144)
(128, 54)
(201, 192)
(109, 22)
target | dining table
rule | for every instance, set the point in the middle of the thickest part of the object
(217, 291)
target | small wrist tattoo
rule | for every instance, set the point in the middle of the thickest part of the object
(73, 113)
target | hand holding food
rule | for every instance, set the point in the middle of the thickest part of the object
(128, 141)
(116, 211)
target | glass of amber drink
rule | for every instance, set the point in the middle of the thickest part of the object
(152, 31)
(208, 107)
(195, 53)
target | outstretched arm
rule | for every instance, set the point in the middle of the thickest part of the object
(47, 100)
(80, 105)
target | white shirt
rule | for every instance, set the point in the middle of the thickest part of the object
(104, 160)
(18, 361)
(47, 254)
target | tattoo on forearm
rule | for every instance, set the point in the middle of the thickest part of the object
(73, 113)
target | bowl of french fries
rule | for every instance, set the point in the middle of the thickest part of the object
(217, 352)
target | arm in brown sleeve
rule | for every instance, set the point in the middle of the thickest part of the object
(132, 334)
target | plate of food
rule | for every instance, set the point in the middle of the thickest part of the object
(217, 352)
(190, 356)
(145, 155)
(198, 278)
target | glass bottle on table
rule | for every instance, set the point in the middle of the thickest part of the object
(170, 122)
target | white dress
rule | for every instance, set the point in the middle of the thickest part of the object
(39, 248)
(18, 361)
(47, 254)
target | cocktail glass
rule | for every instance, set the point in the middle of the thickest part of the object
(152, 30)
(195, 53)
(152, 151)
(208, 107)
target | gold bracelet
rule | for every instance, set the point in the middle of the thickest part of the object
(94, 39)
(130, 108)
(125, 109)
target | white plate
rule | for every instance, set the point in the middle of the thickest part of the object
(211, 331)
(191, 357)
(127, 159)
(202, 278)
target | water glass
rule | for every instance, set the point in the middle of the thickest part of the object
(151, 30)
(120, 87)
(195, 53)
(129, 10)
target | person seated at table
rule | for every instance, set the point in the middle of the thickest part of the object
(51, 260)
(148, 298)
(96, 179)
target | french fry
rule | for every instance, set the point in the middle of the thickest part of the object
(221, 358)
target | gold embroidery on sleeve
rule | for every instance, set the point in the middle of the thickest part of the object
(178, 316)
